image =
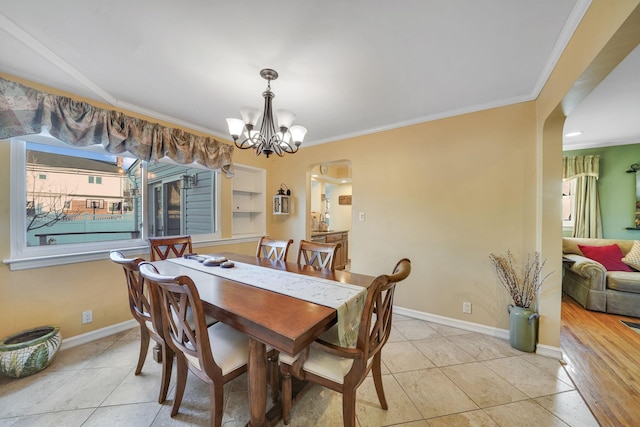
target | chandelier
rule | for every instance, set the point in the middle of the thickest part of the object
(267, 140)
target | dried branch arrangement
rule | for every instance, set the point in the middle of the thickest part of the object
(523, 289)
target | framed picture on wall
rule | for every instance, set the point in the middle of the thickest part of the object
(344, 200)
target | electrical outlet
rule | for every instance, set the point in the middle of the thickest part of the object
(361, 216)
(466, 307)
(87, 316)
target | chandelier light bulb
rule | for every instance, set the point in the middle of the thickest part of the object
(250, 115)
(297, 133)
(236, 127)
(285, 118)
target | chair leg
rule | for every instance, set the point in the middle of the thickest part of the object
(144, 347)
(180, 384)
(274, 374)
(349, 407)
(217, 402)
(167, 365)
(376, 372)
(286, 393)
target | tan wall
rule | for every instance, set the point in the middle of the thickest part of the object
(445, 194)
(435, 193)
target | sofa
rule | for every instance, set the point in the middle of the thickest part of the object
(590, 284)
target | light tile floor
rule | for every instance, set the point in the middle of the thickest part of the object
(433, 376)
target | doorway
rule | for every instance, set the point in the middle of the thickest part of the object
(581, 329)
(166, 214)
(329, 208)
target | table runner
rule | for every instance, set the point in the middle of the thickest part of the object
(347, 299)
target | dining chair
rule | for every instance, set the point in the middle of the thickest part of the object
(315, 254)
(276, 250)
(216, 354)
(148, 317)
(318, 254)
(343, 369)
(162, 248)
(169, 247)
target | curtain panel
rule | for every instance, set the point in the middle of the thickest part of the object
(586, 171)
(25, 111)
(574, 167)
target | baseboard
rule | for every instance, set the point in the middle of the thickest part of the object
(549, 351)
(541, 349)
(97, 334)
(454, 323)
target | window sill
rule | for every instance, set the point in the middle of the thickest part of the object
(49, 260)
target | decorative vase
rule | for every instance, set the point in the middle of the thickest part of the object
(523, 328)
(30, 351)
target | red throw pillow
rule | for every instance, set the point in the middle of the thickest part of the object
(609, 256)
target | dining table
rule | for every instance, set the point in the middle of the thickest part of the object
(269, 313)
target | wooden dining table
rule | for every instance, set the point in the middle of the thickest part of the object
(280, 321)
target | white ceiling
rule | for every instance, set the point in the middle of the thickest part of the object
(610, 115)
(346, 67)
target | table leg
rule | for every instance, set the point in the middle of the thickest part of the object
(257, 376)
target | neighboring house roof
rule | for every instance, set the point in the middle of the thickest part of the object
(62, 161)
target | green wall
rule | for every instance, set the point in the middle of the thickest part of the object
(617, 188)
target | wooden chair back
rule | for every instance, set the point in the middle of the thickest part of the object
(318, 254)
(139, 296)
(374, 330)
(276, 250)
(182, 315)
(146, 311)
(169, 247)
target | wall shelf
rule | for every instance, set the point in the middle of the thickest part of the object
(249, 185)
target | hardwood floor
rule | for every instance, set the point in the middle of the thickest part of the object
(603, 360)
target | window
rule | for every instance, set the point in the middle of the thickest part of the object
(42, 176)
(568, 203)
(68, 213)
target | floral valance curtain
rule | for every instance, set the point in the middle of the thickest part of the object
(25, 111)
(586, 171)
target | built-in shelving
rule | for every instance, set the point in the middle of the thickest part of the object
(248, 201)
